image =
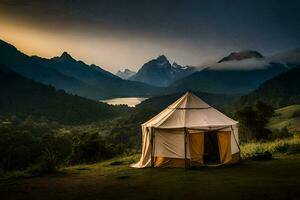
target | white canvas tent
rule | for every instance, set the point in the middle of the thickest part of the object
(180, 135)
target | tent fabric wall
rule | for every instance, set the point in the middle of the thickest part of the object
(169, 162)
(169, 148)
(169, 143)
(196, 147)
(145, 160)
(224, 140)
(163, 136)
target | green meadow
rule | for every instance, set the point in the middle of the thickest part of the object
(275, 179)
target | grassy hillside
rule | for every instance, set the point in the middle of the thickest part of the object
(289, 117)
(247, 180)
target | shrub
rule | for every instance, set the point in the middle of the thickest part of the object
(296, 114)
(253, 121)
(32, 144)
(280, 134)
(89, 148)
(48, 163)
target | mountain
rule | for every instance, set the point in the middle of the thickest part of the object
(240, 75)
(282, 90)
(68, 65)
(22, 96)
(160, 72)
(242, 55)
(24, 65)
(290, 58)
(126, 74)
(64, 72)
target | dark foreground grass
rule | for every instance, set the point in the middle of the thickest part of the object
(275, 179)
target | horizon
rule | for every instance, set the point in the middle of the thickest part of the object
(116, 35)
(212, 62)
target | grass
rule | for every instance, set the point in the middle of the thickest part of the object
(287, 117)
(275, 179)
(289, 146)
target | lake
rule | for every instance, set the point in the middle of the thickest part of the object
(129, 101)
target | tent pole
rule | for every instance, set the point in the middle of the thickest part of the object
(185, 140)
(232, 131)
(152, 146)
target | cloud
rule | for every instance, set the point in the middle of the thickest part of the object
(247, 64)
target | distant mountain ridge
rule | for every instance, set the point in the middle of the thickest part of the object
(126, 74)
(64, 72)
(290, 58)
(281, 90)
(238, 73)
(66, 58)
(160, 72)
(25, 66)
(22, 96)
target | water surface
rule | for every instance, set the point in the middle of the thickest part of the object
(129, 101)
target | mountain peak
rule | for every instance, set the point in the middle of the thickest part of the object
(127, 71)
(66, 56)
(242, 55)
(126, 74)
(162, 58)
(6, 45)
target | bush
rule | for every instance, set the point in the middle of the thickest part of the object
(280, 133)
(48, 163)
(32, 144)
(253, 121)
(90, 148)
(296, 114)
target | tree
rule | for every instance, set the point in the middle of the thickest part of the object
(254, 119)
(90, 147)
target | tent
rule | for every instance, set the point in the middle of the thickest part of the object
(189, 133)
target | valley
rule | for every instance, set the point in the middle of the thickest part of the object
(149, 100)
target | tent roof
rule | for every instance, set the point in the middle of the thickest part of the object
(190, 111)
(189, 101)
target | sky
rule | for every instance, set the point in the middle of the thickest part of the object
(118, 34)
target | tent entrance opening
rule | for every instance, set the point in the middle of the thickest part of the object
(211, 148)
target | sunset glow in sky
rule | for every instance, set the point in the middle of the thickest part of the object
(118, 34)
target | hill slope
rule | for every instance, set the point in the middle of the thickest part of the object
(240, 72)
(227, 81)
(22, 96)
(288, 117)
(281, 90)
(24, 65)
